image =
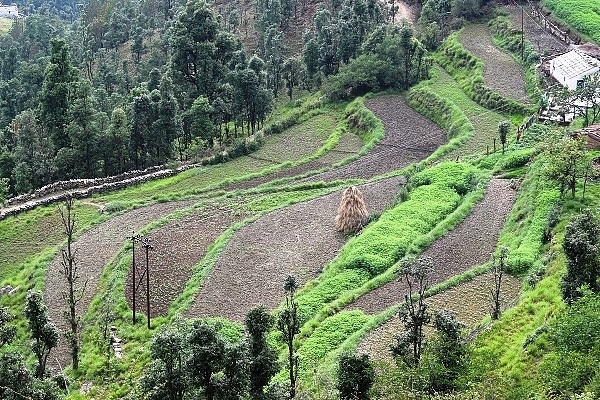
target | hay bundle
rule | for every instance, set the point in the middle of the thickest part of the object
(352, 213)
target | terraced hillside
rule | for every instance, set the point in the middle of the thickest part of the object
(225, 236)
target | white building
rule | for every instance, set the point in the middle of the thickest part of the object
(9, 12)
(570, 68)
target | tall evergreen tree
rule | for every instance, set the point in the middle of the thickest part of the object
(289, 325)
(263, 359)
(55, 95)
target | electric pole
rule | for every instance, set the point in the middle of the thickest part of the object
(145, 273)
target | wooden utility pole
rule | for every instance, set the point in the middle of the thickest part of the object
(146, 273)
(147, 246)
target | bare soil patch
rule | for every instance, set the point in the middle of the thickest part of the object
(409, 137)
(543, 42)
(501, 72)
(177, 248)
(93, 250)
(348, 145)
(470, 302)
(297, 240)
(470, 244)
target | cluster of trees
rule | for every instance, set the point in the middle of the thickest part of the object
(197, 357)
(17, 380)
(582, 250)
(434, 364)
(100, 88)
(203, 358)
(571, 365)
(71, 106)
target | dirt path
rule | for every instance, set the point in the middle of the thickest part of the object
(470, 244)
(93, 250)
(409, 12)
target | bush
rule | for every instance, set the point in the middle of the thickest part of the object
(575, 335)
(516, 159)
(355, 376)
(441, 111)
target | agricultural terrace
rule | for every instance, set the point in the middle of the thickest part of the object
(225, 236)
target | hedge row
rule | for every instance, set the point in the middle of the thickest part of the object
(523, 258)
(441, 111)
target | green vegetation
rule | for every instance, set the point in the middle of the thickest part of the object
(539, 347)
(468, 71)
(577, 15)
(5, 25)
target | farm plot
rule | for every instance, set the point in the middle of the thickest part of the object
(94, 249)
(501, 72)
(178, 246)
(297, 240)
(543, 42)
(470, 244)
(349, 145)
(583, 16)
(470, 302)
(409, 137)
(485, 122)
(300, 239)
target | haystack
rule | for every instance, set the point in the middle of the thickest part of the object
(352, 213)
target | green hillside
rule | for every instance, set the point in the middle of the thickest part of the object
(200, 201)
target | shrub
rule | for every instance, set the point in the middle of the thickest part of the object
(355, 376)
(516, 159)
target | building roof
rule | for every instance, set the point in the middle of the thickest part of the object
(9, 11)
(575, 63)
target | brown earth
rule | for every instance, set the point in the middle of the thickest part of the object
(301, 239)
(177, 248)
(409, 137)
(500, 72)
(93, 251)
(543, 42)
(297, 240)
(470, 302)
(470, 244)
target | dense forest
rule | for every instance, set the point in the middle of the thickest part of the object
(95, 89)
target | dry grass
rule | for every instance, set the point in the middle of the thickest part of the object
(352, 213)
